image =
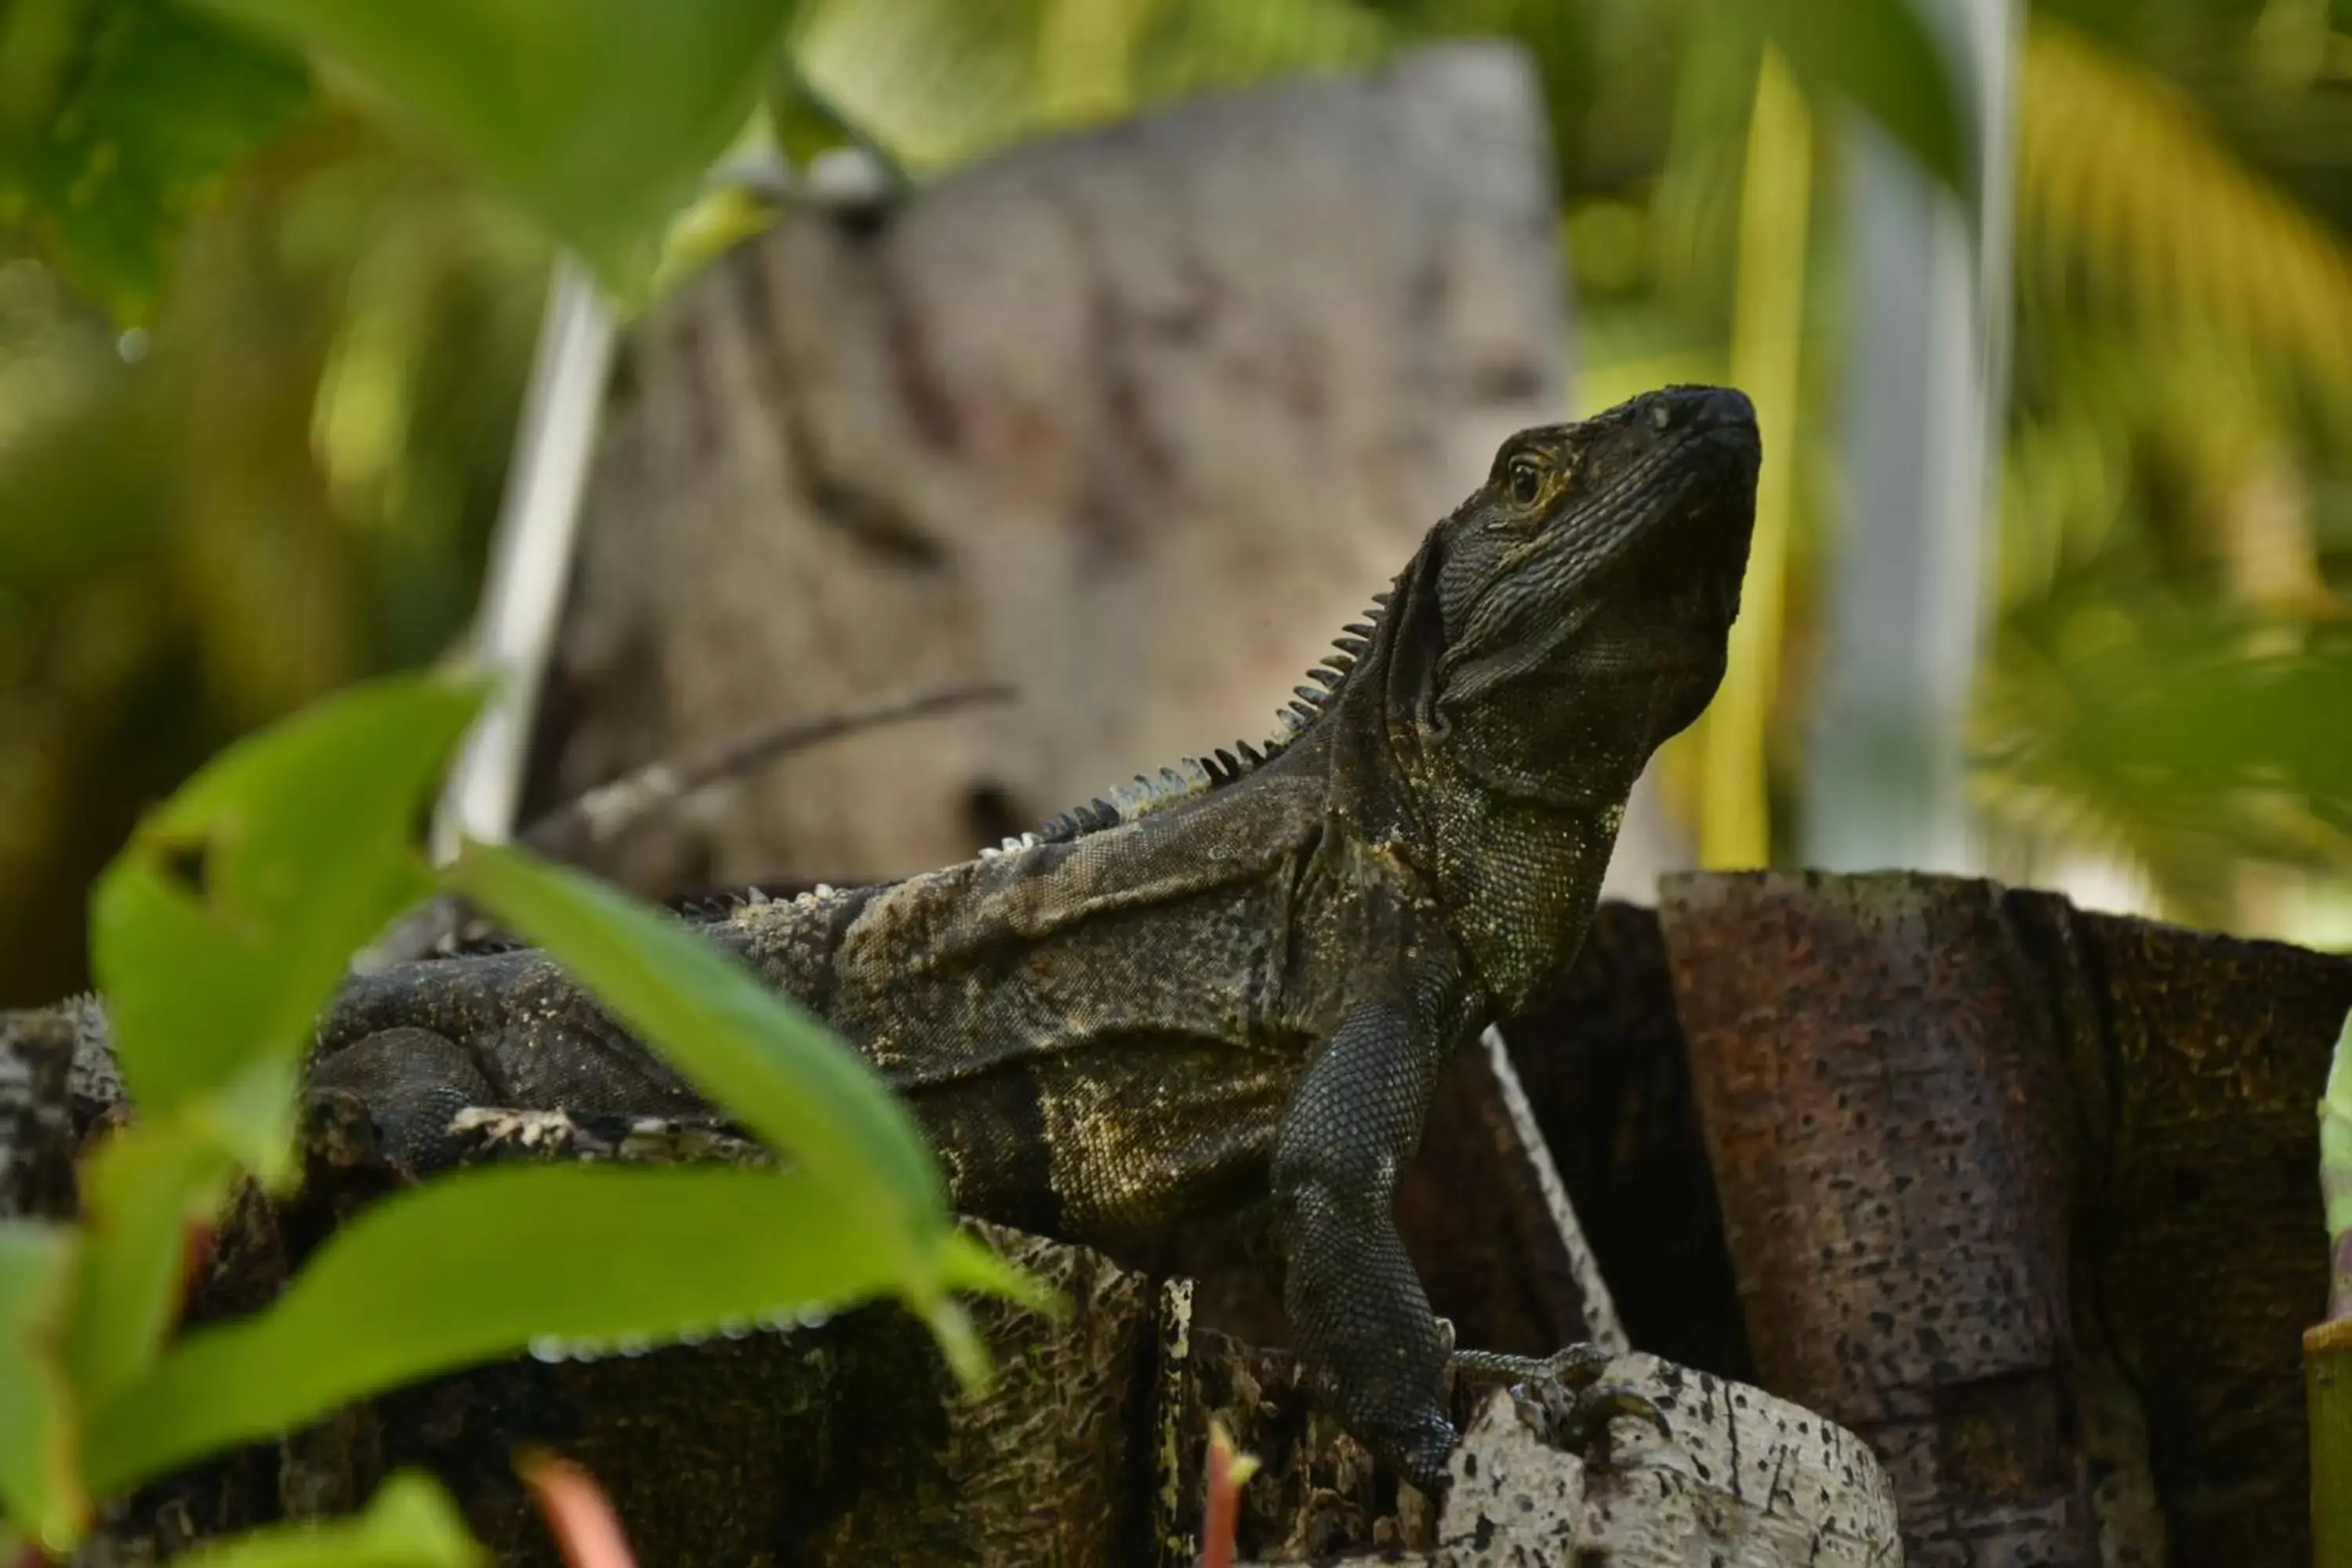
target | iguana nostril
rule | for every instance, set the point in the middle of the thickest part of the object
(1719, 407)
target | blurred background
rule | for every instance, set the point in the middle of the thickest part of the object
(2058, 385)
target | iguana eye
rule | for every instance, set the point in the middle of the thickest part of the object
(1524, 477)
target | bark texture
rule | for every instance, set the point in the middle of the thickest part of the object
(2204, 1251)
(1134, 420)
(2027, 1196)
(1746, 1479)
(1883, 1105)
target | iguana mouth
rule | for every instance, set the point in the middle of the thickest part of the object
(1668, 553)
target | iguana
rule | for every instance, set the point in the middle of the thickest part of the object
(1241, 978)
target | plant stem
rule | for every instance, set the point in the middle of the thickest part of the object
(530, 556)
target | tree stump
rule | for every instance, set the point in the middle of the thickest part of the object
(2027, 1196)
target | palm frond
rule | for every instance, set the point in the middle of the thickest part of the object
(2129, 200)
(2173, 738)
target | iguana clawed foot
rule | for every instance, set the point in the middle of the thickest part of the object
(1564, 1391)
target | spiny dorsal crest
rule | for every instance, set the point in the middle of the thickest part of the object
(1198, 775)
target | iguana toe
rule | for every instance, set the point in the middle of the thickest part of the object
(1564, 1393)
(1584, 1429)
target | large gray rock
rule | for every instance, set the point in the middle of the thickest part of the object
(1134, 419)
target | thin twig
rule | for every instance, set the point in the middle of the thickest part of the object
(1603, 1326)
(602, 815)
(596, 817)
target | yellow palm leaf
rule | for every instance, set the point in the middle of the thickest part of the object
(2128, 196)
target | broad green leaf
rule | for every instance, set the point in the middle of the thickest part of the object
(489, 1262)
(40, 1484)
(409, 1523)
(745, 1046)
(117, 117)
(598, 117)
(1880, 56)
(226, 924)
(140, 1192)
(2335, 1138)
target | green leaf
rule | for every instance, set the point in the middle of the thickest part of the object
(1880, 56)
(40, 1484)
(117, 117)
(489, 1262)
(2335, 1138)
(598, 117)
(409, 1523)
(744, 1045)
(140, 1192)
(227, 922)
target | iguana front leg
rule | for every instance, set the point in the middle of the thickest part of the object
(1351, 1290)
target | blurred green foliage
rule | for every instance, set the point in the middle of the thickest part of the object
(117, 117)
(281, 485)
(597, 117)
(284, 480)
(409, 1523)
(221, 929)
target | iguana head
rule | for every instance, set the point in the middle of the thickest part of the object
(1563, 621)
(1576, 607)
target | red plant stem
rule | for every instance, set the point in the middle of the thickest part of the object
(579, 1515)
(1228, 1469)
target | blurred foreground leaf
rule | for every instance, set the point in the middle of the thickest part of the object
(755, 1051)
(40, 1484)
(740, 1042)
(223, 927)
(2335, 1172)
(489, 1262)
(409, 1523)
(142, 1191)
(598, 117)
(116, 118)
(1879, 56)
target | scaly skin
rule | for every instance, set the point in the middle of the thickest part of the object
(1249, 979)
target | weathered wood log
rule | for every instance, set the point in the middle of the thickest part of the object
(1133, 420)
(2202, 1249)
(36, 1139)
(1884, 1108)
(1743, 1479)
(2086, 1141)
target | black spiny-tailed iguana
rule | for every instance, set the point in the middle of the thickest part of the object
(1245, 978)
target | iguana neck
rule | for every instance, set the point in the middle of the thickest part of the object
(1518, 874)
(1506, 807)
